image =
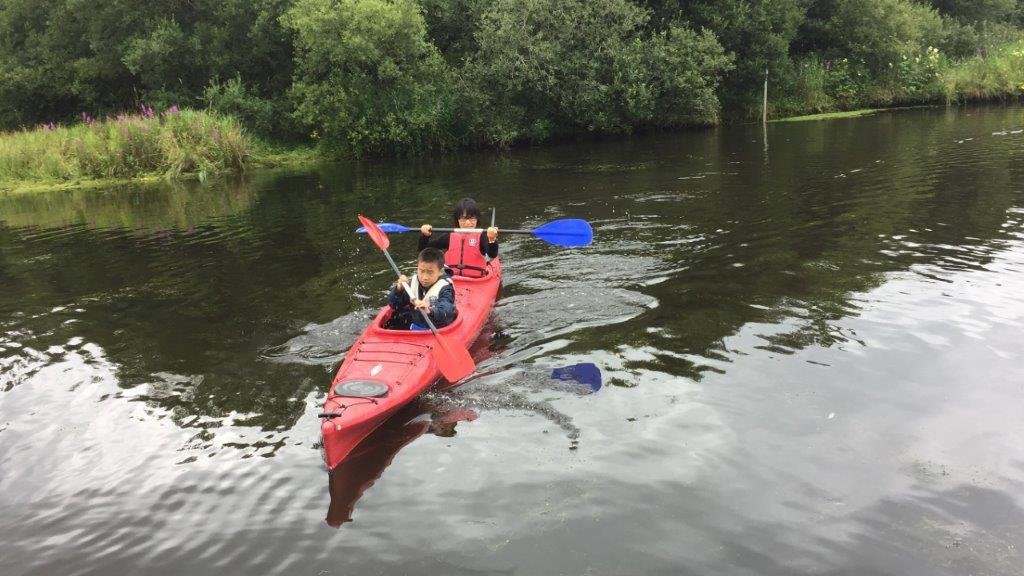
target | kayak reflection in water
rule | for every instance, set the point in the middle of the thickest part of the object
(438, 414)
(374, 454)
(431, 292)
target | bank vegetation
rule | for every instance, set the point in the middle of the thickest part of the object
(384, 77)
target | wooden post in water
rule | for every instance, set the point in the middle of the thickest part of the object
(764, 115)
(764, 107)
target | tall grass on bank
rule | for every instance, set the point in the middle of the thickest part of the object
(927, 77)
(997, 75)
(185, 142)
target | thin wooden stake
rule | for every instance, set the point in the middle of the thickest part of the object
(764, 107)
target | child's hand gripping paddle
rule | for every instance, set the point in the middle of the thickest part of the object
(453, 360)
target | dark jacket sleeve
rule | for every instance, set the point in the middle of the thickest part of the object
(435, 240)
(442, 312)
(398, 299)
(489, 249)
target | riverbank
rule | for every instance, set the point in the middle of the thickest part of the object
(830, 115)
(139, 147)
(189, 144)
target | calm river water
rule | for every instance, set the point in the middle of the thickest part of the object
(811, 352)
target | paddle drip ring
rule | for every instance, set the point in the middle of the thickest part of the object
(361, 389)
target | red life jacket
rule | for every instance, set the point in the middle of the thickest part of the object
(463, 255)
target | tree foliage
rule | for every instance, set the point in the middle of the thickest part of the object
(385, 76)
(975, 11)
(759, 34)
(62, 57)
(366, 78)
(880, 33)
(548, 67)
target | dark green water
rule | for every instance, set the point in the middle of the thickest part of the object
(811, 352)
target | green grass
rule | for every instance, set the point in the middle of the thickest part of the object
(829, 115)
(998, 75)
(266, 155)
(188, 143)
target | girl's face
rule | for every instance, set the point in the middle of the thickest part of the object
(467, 221)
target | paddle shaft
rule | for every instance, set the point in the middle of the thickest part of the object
(479, 230)
(566, 232)
(408, 291)
(503, 231)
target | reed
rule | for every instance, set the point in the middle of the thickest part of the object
(997, 75)
(172, 143)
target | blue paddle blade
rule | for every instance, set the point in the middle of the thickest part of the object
(386, 227)
(568, 232)
(586, 373)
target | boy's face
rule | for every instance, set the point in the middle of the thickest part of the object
(428, 273)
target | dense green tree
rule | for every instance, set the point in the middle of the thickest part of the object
(55, 61)
(366, 78)
(977, 10)
(880, 33)
(452, 25)
(548, 67)
(61, 57)
(670, 78)
(759, 34)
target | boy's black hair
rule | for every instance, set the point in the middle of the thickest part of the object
(432, 255)
(465, 206)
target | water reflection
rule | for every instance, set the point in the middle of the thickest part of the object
(158, 210)
(438, 412)
(779, 342)
(367, 462)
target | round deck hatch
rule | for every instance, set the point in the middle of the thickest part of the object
(361, 389)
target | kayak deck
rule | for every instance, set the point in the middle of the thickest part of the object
(385, 369)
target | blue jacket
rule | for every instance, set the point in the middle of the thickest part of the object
(442, 311)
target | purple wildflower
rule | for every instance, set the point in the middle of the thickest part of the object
(49, 126)
(173, 110)
(145, 111)
(86, 119)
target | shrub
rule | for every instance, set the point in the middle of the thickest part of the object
(173, 143)
(550, 67)
(879, 32)
(670, 78)
(267, 117)
(999, 74)
(366, 79)
(810, 89)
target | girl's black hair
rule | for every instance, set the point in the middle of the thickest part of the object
(466, 206)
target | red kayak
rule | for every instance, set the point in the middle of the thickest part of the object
(386, 369)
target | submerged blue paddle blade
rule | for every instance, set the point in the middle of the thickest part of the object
(386, 227)
(586, 373)
(567, 232)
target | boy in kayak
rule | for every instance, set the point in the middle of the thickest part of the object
(464, 252)
(432, 292)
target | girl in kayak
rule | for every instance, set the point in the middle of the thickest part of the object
(464, 252)
(432, 292)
